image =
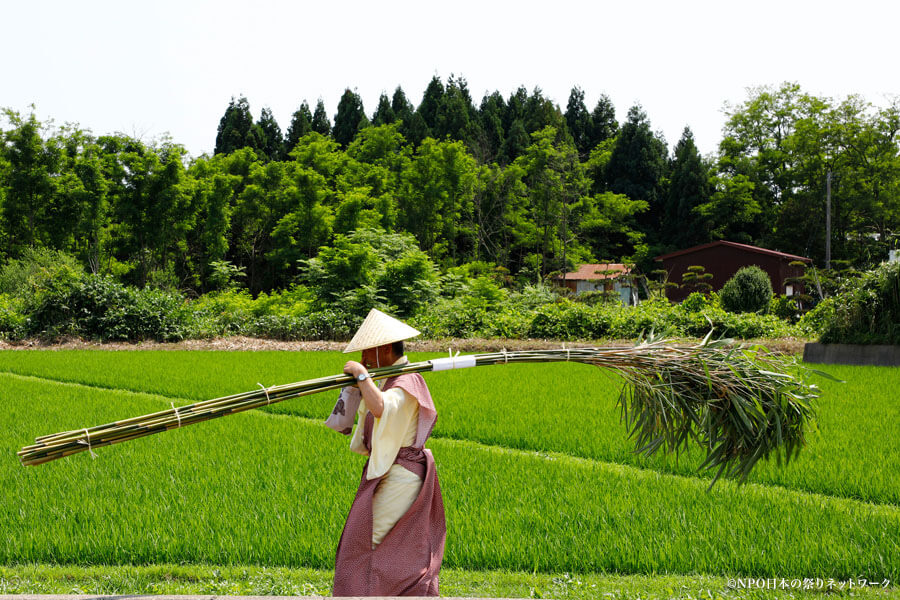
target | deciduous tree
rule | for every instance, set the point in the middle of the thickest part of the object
(29, 184)
(435, 198)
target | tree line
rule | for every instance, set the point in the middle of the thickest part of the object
(516, 182)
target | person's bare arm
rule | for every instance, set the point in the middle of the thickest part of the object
(370, 393)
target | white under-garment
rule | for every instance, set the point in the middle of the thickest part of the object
(393, 497)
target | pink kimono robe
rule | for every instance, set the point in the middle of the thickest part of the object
(408, 560)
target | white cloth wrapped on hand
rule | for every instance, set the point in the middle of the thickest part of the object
(344, 412)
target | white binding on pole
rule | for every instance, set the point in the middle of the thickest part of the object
(177, 416)
(268, 400)
(454, 362)
(88, 434)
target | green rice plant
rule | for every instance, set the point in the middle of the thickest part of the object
(737, 404)
(559, 407)
(263, 489)
(556, 408)
(173, 373)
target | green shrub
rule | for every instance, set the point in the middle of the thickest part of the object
(657, 315)
(507, 323)
(532, 295)
(453, 283)
(695, 302)
(409, 282)
(749, 290)
(784, 307)
(284, 315)
(38, 272)
(13, 323)
(330, 324)
(369, 267)
(547, 321)
(98, 307)
(278, 327)
(451, 317)
(598, 297)
(223, 275)
(229, 312)
(813, 322)
(90, 306)
(570, 320)
(295, 301)
(484, 293)
(867, 310)
(584, 322)
(746, 325)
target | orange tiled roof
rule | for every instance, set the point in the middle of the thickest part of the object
(590, 272)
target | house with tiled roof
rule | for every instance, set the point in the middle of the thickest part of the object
(602, 277)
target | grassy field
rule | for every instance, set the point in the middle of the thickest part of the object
(537, 476)
(563, 408)
(282, 581)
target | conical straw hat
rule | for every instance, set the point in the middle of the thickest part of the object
(379, 329)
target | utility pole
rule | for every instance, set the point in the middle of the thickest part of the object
(828, 221)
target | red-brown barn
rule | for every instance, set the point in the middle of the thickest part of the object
(723, 259)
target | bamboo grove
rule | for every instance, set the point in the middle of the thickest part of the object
(516, 181)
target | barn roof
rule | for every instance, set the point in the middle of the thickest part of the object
(746, 247)
(589, 272)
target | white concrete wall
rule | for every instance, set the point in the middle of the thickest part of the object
(624, 292)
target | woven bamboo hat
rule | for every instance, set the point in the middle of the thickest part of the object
(379, 329)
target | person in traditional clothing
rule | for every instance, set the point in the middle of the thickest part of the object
(393, 541)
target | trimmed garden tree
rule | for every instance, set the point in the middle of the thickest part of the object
(749, 290)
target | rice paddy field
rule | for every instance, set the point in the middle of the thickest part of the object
(538, 477)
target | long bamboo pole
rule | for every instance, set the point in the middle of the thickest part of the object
(736, 403)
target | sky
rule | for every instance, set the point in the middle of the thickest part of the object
(170, 67)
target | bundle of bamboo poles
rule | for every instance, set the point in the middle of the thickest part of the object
(738, 404)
